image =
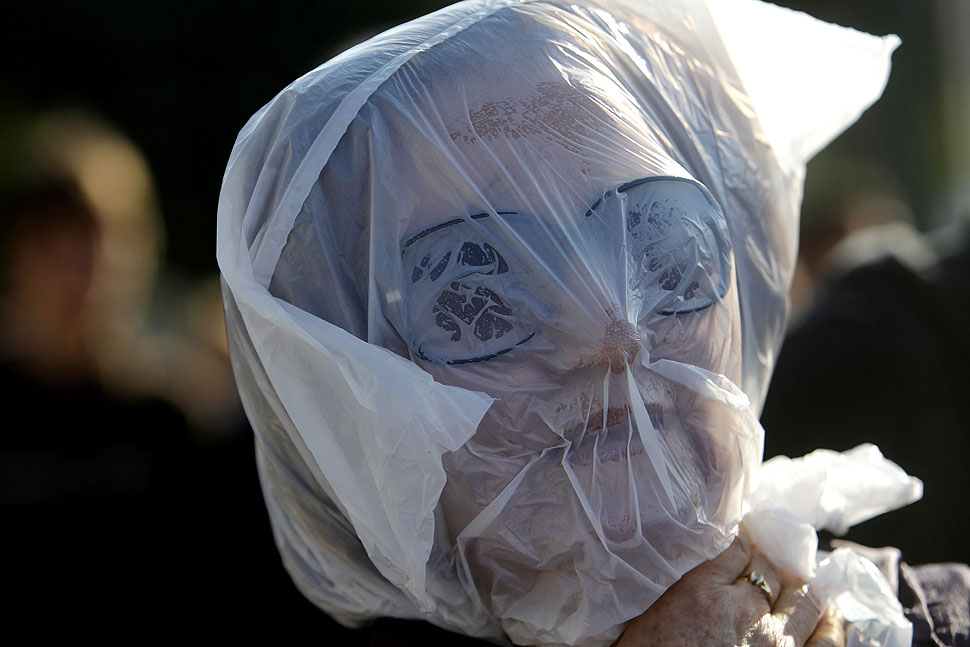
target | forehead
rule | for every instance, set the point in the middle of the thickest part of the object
(489, 135)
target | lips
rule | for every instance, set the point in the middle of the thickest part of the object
(595, 423)
(612, 445)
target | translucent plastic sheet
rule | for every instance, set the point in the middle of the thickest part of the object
(504, 286)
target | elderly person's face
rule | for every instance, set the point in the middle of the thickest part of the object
(573, 287)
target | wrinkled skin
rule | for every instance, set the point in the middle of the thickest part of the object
(710, 606)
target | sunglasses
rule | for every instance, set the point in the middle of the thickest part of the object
(479, 286)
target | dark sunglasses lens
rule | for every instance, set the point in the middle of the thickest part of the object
(458, 284)
(677, 241)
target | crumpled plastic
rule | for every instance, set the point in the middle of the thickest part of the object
(792, 498)
(504, 286)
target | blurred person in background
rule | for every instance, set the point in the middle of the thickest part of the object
(127, 484)
(881, 336)
(92, 480)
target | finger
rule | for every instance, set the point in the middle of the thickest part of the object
(727, 567)
(830, 631)
(760, 564)
(798, 608)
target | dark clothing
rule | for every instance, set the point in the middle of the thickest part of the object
(884, 357)
(390, 632)
(118, 525)
(97, 539)
(936, 598)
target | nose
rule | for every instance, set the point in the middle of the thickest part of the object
(618, 346)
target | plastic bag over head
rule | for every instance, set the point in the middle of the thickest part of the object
(504, 286)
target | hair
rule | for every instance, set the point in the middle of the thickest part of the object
(55, 204)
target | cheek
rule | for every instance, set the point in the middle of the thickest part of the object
(709, 339)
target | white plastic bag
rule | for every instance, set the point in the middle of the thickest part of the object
(504, 286)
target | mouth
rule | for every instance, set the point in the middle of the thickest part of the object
(605, 445)
(595, 422)
(598, 421)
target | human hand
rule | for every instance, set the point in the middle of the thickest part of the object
(712, 607)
